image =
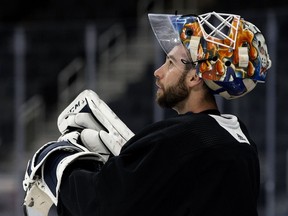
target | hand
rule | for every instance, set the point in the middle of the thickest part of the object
(102, 142)
(89, 139)
(72, 137)
(92, 140)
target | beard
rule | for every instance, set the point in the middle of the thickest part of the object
(173, 94)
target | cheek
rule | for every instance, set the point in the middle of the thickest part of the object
(169, 75)
(173, 77)
(168, 80)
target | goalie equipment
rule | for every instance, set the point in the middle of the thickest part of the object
(88, 111)
(44, 173)
(229, 53)
(90, 139)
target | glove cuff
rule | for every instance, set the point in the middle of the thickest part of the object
(45, 171)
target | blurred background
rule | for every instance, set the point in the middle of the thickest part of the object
(52, 50)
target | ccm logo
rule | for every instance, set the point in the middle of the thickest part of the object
(77, 105)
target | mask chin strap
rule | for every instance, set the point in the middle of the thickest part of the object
(194, 63)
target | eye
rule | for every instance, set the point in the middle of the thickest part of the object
(168, 61)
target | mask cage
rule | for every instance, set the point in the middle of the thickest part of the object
(217, 27)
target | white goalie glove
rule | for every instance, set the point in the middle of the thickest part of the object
(90, 131)
(90, 139)
(96, 122)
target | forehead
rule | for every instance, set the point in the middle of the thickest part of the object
(178, 52)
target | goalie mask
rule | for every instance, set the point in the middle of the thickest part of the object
(229, 53)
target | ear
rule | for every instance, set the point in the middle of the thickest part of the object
(193, 79)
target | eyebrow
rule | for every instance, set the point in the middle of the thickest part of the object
(171, 57)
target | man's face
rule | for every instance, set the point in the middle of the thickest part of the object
(170, 79)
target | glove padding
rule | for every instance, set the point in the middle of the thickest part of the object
(88, 111)
(44, 173)
(90, 132)
(88, 138)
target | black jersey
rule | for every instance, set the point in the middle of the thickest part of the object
(190, 165)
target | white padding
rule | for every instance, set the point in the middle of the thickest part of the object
(37, 202)
(243, 56)
(194, 44)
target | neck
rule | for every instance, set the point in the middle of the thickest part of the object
(196, 103)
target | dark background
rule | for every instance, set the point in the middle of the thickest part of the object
(54, 35)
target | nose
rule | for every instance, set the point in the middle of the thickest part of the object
(158, 73)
